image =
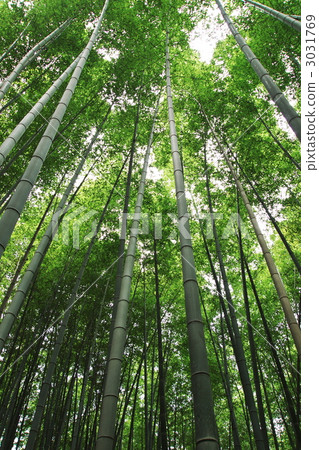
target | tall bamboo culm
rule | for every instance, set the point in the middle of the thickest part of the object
(106, 432)
(205, 424)
(5, 86)
(288, 20)
(16, 204)
(290, 114)
(278, 283)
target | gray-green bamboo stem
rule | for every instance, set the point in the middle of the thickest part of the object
(274, 273)
(19, 198)
(288, 20)
(26, 281)
(44, 392)
(6, 84)
(277, 96)
(75, 435)
(205, 424)
(106, 432)
(21, 128)
(272, 219)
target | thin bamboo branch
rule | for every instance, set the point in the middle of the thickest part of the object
(14, 43)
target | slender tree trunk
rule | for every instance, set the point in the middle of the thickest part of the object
(279, 143)
(253, 350)
(277, 96)
(273, 429)
(274, 273)
(28, 180)
(284, 421)
(106, 431)
(146, 428)
(75, 435)
(24, 124)
(128, 394)
(161, 384)
(288, 20)
(149, 443)
(66, 408)
(225, 379)
(235, 333)
(280, 372)
(205, 423)
(17, 301)
(5, 86)
(17, 406)
(130, 445)
(273, 220)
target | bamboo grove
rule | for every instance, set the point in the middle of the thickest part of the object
(150, 224)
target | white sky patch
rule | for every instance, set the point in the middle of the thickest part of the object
(109, 54)
(206, 34)
(153, 172)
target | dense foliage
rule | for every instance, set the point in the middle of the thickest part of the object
(116, 95)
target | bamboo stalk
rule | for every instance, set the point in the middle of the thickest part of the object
(290, 114)
(274, 273)
(6, 84)
(21, 128)
(106, 433)
(205, 424)
(28, 180)
(288, 20)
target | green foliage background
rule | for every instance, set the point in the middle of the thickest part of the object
(133, 37)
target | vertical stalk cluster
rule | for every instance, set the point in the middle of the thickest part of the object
(232, 325)
(106, 433)
(205, 425)
(44, 391)
(274, 273)
(5, 86)
(16, 204)
(27, 279)
(21, 128)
